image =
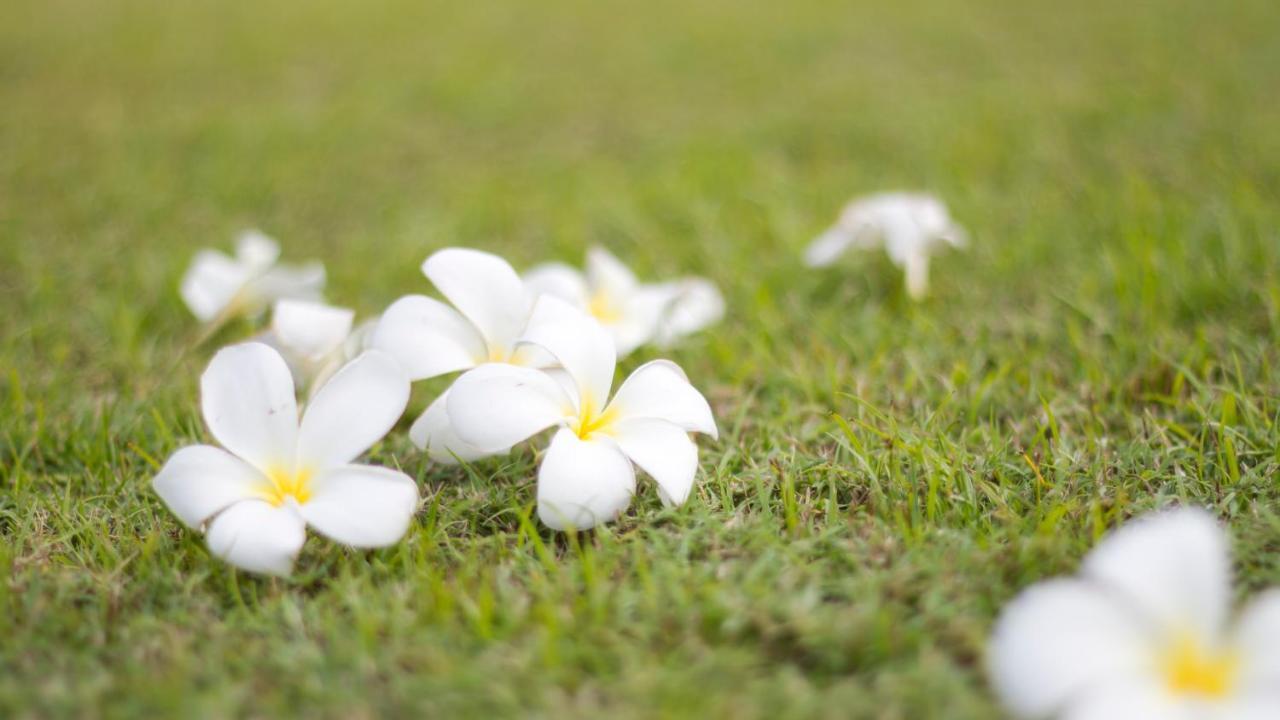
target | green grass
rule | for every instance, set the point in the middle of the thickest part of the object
(888, 473)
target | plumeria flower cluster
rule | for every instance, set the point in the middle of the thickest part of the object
(909, 226)
(1143, 632)
(635, 313)
(489, 311)
(528, 361)
(218, 287)
(587, 474)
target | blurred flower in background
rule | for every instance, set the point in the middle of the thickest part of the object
(218, 287)
(910, 226)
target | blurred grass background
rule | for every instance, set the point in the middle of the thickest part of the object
(888, 473)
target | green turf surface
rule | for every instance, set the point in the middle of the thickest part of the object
(888, 474)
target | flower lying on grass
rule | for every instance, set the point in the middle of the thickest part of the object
(277, 475)
(491, 309)
(217, 287)
(586, 476)
(1142, 633)
(316, 339)
(910, 226)
(635, 313)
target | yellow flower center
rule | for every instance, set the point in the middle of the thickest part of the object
(1193, 670)
(590, 422)
(286, 484)
(602, 307)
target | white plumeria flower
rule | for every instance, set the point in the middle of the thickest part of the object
(316, 339)
(277, 475)
(910, 227)
(587, 475)
(491, 309)
(636, 313)
(1142, 633)
(217, 287)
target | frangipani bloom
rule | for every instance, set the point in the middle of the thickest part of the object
(587, 475)
(277, 474)
(491, 308)
(316, 339)
(635, 313)
(217, 287)
(1142, 633)
(910, 226)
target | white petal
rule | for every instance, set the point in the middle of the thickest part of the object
(532, 356)
(1136, 701)
(663, 450)
(428, 337)
(559, 280)
(1257, 639)
(300, 367)
(660, 389)
(311, 329)
(358, 341)
(1061, 641)
(256, 251)
(606, 274)
(643, 316)
(1257, 707)
(248, 402)
(495, 406)
(486, 289)
(199, 481)
(352, 411)
(861, 219)
(255, 536)
(955, 235)
(582, 346)
(565, 381)
(551, 310)
(361, 505)
(434, 433)
(827, 247)
(583, 483)
(298, 282)
(1174, 566)
(628, 335)
(904, 238)
(698, 304)
(211, 283)
(931, 217)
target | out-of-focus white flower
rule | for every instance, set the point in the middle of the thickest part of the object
(698, 305)
(1142, 632)
(491, 308)
(587, 475)
(634, 312)
(316, 339)
(217, 287)
(278, 474)
(910, 227)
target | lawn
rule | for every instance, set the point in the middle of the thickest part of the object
(889, 473)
